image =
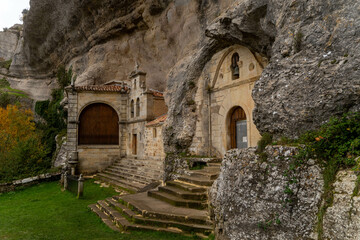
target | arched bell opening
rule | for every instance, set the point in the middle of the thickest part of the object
(98, 125)
(238, 128)
(235, 71)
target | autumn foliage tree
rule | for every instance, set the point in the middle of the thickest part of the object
(21, 151)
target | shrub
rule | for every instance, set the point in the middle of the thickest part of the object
(21, 151)
(265, 140)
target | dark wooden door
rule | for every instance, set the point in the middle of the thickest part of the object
(238, 130)
(99, 125)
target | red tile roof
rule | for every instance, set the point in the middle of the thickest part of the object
(157, 121)
(103, 88)
(156, 93)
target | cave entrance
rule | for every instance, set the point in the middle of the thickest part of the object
(238, 129)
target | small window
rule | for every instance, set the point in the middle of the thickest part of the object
(132, 108)
(154, 133)
(137, 107)
(235, 71)
(134, 84)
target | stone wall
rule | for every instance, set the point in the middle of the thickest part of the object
(93, 158)
(154, 146)
(254, 199)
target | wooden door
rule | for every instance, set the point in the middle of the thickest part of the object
(238, 129)
(98, 125)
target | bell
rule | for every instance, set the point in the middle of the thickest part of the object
(236, 71)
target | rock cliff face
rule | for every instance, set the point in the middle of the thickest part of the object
(312, 48)
(256, 199)
(313, 70)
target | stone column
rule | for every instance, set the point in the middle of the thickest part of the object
(72, 129)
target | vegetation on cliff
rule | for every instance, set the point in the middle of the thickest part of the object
(53, 112)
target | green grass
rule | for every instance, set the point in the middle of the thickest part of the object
(45, 212)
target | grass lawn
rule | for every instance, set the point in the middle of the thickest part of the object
(45, 212)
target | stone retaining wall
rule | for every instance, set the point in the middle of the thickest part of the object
(26, 182)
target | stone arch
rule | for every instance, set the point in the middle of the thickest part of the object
(98, 125)
(97, 101)
(225, 55)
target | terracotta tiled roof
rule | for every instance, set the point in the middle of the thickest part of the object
(103, 88)
(157, 121)
(156, 93)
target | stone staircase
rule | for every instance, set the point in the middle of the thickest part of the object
(132, 174)
(180, 206)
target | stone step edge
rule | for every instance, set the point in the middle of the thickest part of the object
(130, 175)
(187, 186)
(106, 219)
(196, 181)
(133, 169)
(120, 184)
(150, 214)
(138, 183)
(140, 219)
(187, 195)
(124, 225)
(128, 181)
(177, 202)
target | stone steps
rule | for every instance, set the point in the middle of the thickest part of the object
(129, 176)
(197, 180)
(148, 173)
(118, 222)
(181, 193)
(124, 184)
(179, 206)
(177, 201)
(138, 218)
(132, 174)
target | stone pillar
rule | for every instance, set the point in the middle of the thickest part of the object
(80, 186)
(72, 129)
(65, 181)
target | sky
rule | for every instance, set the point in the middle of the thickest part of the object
(10, 12)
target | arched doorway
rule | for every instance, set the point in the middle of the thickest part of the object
(98, 125)
(238, 129)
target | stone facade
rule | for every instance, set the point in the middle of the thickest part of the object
(218, 94)
(135, 105)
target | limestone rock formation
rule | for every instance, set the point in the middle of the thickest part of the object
(341, 220)
(313, 70)
(9, 40)
(256, 199)
(312, 48)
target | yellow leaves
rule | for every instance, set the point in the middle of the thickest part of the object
(15, 125)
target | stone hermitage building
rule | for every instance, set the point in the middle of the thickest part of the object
(124, 120)
(112, 121)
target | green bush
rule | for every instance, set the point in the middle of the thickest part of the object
(6, 64)
(5, 99)
(265, 140)
(4, 83)
(26, 159)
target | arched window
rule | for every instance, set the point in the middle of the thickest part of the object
(98, 125)
(132, 108)
(238, 129)
(235, 66)
(137, 107)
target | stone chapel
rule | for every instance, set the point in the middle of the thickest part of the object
(123, 119)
